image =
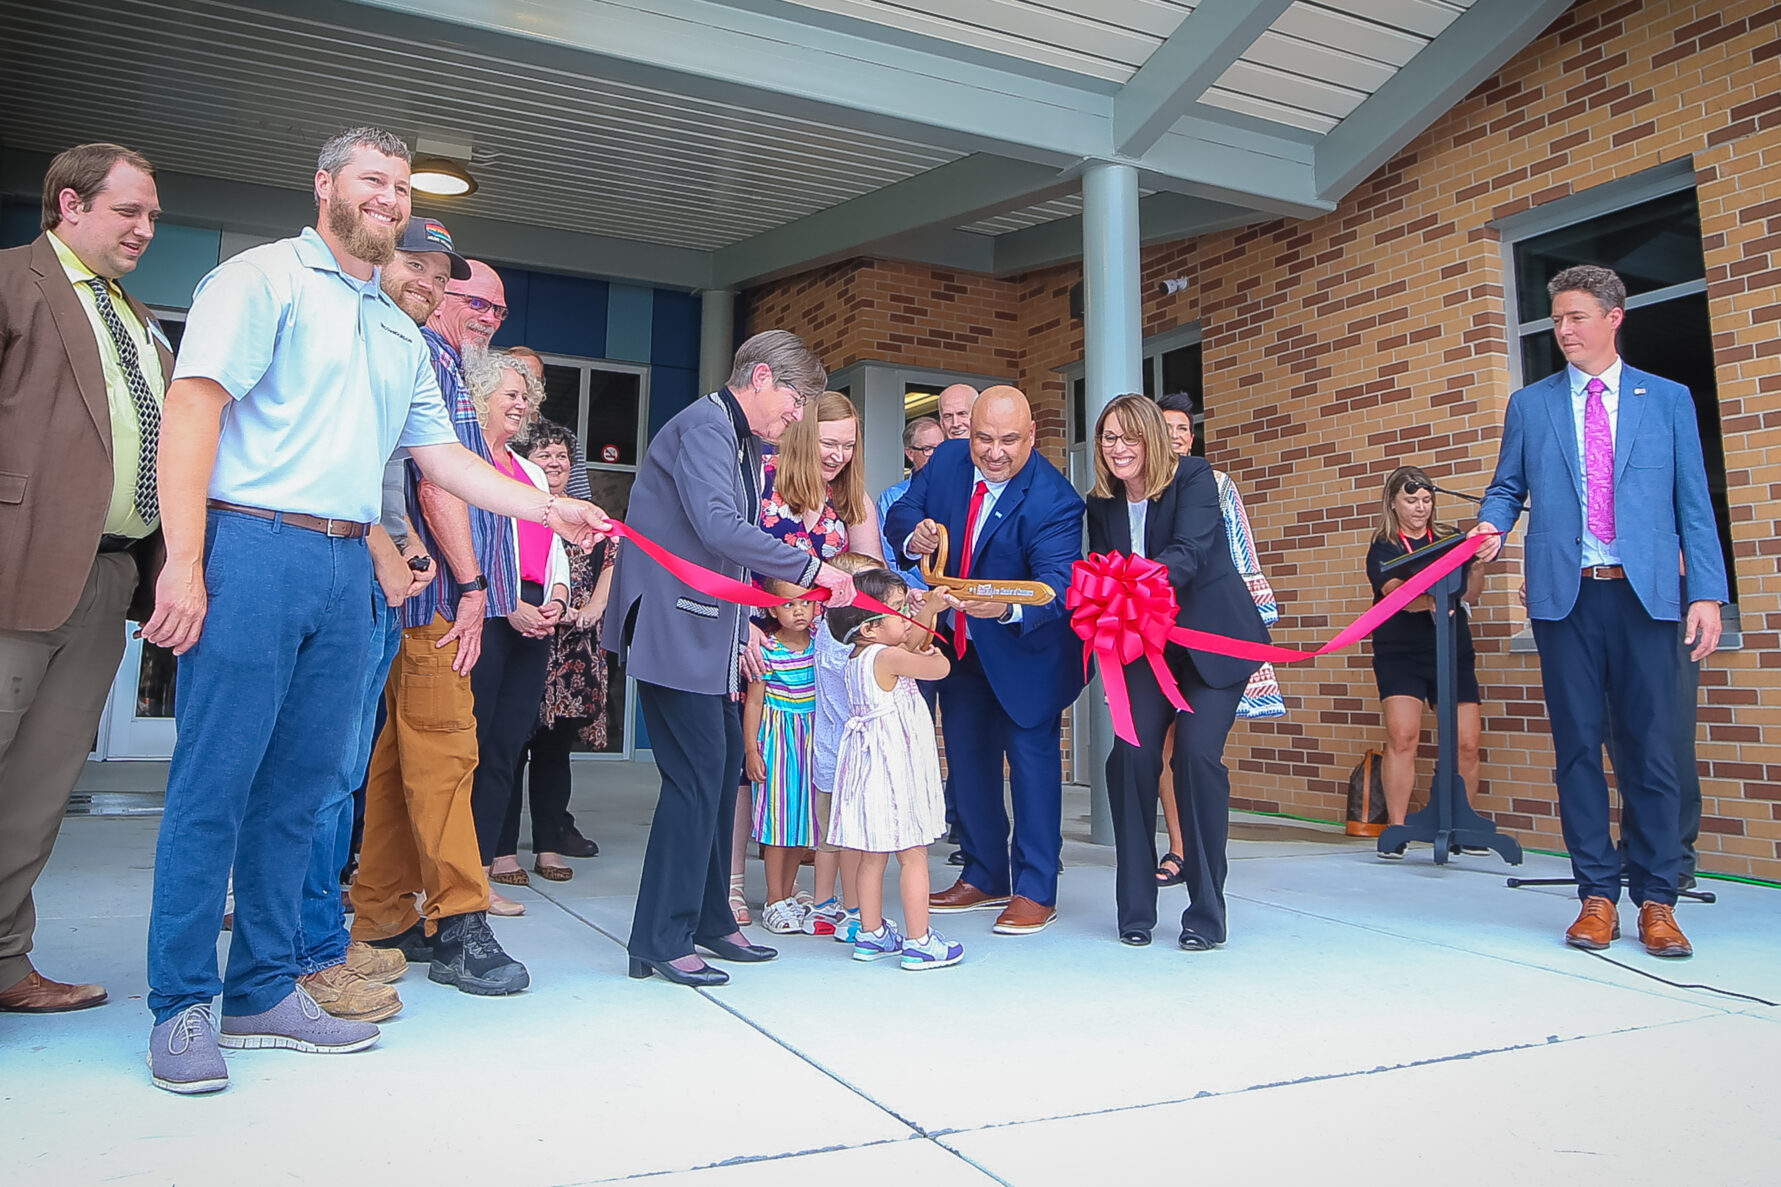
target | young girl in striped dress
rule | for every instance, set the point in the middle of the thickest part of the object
(778, 733)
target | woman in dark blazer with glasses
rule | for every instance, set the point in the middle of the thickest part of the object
(1148, 501)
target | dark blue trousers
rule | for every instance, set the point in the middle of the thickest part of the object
(979, 734)
(684, 893)
(1609, 658)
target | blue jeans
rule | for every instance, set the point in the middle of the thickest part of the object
(322, 936)
(269, 702)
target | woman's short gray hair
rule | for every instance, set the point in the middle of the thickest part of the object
(482, 375)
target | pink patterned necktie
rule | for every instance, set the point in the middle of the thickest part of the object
(1598, 462)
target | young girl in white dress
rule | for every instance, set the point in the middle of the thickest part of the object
(887, 774)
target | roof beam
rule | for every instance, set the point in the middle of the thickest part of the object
(1214, 35)
(953, 194)
(1160, 217)
(1467, 52)
(770, 61)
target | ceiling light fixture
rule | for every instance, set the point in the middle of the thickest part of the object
(441, 176)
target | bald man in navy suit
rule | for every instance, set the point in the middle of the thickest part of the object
(1009, 514)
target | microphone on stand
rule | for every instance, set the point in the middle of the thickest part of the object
(1458, 494)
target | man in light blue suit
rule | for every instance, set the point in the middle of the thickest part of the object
(1611, 458)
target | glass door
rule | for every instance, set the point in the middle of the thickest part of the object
(139, 718)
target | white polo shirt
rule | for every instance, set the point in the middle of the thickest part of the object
(328, 376)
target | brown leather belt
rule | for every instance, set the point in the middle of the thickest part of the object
(1605, 573)
(348, 529)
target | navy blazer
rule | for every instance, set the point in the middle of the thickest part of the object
(1662, 511)
(1034, 533)
(1184, 531)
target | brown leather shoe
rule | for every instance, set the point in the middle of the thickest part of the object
(1598, 924)
(1659, 933)
(962, 896)
(37, 994)
(1023, 917)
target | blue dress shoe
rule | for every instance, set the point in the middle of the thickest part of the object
(741, 953)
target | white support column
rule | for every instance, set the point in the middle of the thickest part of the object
(1113, 364)
(717, 334)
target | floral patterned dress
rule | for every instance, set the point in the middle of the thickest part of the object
(826, 540)
(575, 686)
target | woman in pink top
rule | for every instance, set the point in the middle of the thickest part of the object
(508, 680)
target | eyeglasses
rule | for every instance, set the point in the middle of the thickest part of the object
(799, 399)
(1111, 440)
(921, 449)
(480, 304)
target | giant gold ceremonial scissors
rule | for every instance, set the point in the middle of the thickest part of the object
(987, 589)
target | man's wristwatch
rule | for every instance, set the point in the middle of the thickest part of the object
(479, 582)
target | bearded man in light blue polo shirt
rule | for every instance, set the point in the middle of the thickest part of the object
(297, 379)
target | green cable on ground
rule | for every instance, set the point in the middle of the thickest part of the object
(1525, 849)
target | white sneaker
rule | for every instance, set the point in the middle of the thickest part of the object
(787, 917)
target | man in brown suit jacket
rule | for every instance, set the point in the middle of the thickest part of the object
(83, 369)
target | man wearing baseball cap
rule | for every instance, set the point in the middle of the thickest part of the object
(420, 836)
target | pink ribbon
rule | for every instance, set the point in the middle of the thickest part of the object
(715, 585)
(1115, 604)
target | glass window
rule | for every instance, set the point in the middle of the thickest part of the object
(614, 414)
(1654, 245)
(562, 396)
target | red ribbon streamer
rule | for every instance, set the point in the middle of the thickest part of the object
(1116, 602)
(715, 585)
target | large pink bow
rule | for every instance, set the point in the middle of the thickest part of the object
(1123, 607)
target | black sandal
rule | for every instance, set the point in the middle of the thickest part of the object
(1164, 877)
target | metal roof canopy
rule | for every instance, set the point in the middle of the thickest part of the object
(716, 143)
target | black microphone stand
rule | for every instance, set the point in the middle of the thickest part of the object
(1448, 822)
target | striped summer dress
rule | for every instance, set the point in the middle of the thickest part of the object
(783, 812)
(887, 776)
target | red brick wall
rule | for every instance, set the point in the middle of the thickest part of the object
(1337, 346)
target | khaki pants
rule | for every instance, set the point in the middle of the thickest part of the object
(420, 836)
(53, 686)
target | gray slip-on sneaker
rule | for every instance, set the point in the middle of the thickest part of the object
(183, 1056)
(297, 1024)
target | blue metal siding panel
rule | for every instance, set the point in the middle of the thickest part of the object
(629, 318)
(670, 390)
(563, 314)
(674, 341)
(173, 265)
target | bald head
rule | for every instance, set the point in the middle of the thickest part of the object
(955, 410)
(468, 329)
(1002, 433)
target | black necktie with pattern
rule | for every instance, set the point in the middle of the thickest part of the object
(148, 413)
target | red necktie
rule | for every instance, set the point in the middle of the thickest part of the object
(977, 493)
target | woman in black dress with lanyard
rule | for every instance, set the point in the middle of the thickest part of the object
(1147, 501)
(1404, 644)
